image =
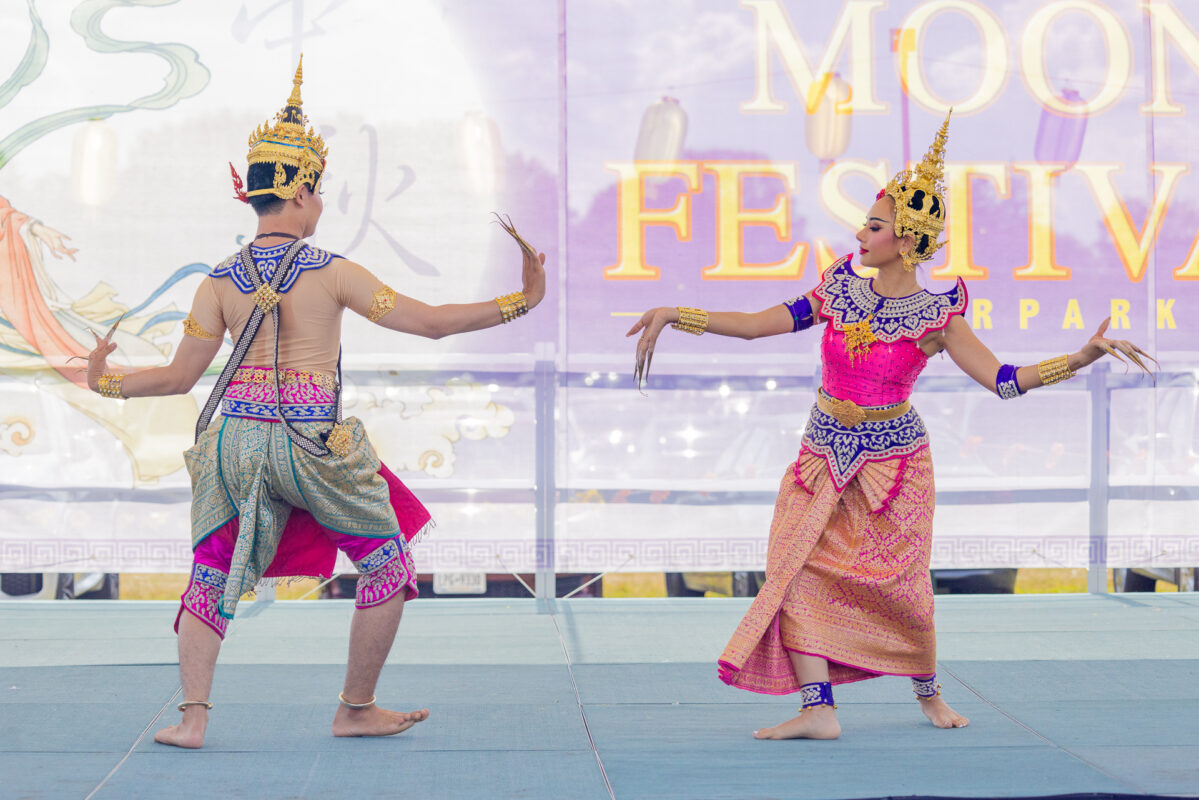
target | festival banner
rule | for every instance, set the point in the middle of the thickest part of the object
(712, 153)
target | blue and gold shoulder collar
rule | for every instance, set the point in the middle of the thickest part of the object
(846, 298)
(267, 260)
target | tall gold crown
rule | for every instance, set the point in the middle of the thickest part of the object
(287, 144)
(919, 196)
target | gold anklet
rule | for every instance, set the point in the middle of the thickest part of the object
(356, 706)
(207, 705)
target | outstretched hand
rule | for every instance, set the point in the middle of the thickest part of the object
(652, 322)
(97, 360)
(1098, 345)
(54, 241)
(532, 271)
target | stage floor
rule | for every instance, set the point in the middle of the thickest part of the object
(1065, 694)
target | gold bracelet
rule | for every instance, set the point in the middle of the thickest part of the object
(512, 305)
(1054, 370)
(110, 385)
(691, 320)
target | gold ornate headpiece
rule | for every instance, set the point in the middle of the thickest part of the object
(287, 144)
(919, 196)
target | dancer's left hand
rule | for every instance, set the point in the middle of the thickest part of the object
(1099, 345)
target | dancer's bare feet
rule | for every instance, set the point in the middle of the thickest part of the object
(375, 721)
(940, 714)
(189, 732)
(818, 722)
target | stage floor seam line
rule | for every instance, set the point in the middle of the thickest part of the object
(599, 761)
(1038, 734)
(133, 746)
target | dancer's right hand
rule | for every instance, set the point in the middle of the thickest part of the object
(652, 322)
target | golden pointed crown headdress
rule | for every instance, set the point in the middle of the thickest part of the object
(919, 196)
(286, 143)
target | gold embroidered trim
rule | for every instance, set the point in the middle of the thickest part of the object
(382, 301)
(289, 377)
(195, 329)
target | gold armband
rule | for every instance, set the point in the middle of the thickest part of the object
(1054, 370)
(382, 301)
(196, 330)
(110, 385)
(512, 305)
(692, 320)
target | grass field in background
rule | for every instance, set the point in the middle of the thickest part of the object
(153, 586)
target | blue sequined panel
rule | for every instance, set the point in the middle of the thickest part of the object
(846, 449)
(378, 557)
(267, 260)
(846, 298)
(293, 412)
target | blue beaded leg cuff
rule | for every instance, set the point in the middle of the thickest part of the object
(816, 694)
(926, 687)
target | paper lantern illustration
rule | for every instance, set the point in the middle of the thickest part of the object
(482, 154)
(663, 130)
(827, 123)
(94, 162)
(1059, 137)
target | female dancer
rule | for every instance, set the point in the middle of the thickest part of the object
(847, 594)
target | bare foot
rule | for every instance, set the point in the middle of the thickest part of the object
(818, 722)
(940, 714)
(189, 732)
(375, 721)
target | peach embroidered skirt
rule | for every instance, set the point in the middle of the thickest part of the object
(846, 578)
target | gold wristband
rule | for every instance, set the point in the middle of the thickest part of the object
(691, 320)
(110, 385)
(512, 305)
(1054, 370)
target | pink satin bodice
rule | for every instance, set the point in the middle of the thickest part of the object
(884, 375)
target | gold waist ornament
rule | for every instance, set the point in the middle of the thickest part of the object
(288, 377)
(850, 414)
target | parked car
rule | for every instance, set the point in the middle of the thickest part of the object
(60, 586)
(1144, 579)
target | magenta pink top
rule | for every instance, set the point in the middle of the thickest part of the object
(886, 373)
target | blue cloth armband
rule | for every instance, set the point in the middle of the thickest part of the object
(801, 313)
(1006, 385)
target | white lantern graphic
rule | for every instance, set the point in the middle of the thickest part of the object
(482, 154)
(94, 162)
(827, 123)
(663, 129)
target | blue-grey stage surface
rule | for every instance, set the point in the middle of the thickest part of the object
(601, 698)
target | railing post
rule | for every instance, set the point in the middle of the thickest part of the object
(545, 383)
(1097, 492)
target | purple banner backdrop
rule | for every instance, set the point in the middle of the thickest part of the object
(702, 152)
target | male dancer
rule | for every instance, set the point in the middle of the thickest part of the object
(283, 482)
